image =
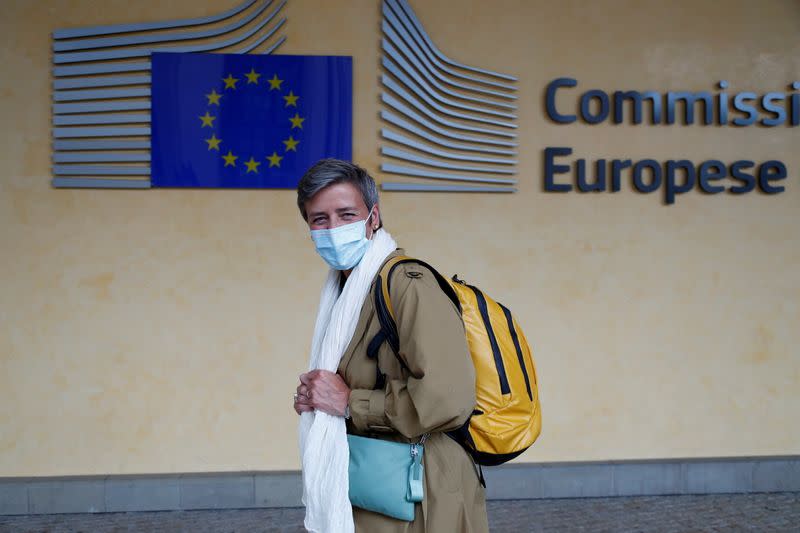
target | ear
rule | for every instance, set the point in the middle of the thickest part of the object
(375, 221)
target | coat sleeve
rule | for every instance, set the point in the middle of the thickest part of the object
(439, 394)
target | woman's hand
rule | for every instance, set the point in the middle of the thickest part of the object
(301, 403)
(322, 390)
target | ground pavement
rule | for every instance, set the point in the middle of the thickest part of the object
(657, 514)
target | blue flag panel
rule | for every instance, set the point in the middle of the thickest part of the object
(240, 120)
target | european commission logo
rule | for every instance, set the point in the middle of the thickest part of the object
(146, 105)
(235, 120)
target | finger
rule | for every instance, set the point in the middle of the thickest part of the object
(305, 379)
(302, 408)
(302, 401)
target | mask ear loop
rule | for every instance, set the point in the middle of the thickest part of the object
(372, 212)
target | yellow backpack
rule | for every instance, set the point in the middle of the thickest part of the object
(507, 418)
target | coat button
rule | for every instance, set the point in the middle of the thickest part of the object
(414, 274)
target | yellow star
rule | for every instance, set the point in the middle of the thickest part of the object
(252, 76)
(252, 165)
(297, 122)
(275, 83)
(291, 144)
(230, 81)
(213, 98)
(213, 142)
(230, 159)
(291, 99)
(208, 120)
(275, 160)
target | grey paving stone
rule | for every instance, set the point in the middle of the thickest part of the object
(643, 479)
(67, 496)
(217, 492)
(718, 476)
(776, 513)
(279, 489)
(776, 476)
(513, 482)
(13, 498)
(572, 481)
(147, 494)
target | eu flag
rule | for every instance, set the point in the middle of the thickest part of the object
(241, 120)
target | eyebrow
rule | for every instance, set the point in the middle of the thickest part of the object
(340, 210)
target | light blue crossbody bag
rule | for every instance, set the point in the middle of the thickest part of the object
(386, 477)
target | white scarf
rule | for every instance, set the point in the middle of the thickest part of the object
(323, 438)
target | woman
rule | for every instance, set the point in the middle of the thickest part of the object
(431, 391)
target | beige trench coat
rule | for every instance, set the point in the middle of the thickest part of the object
(435, 394)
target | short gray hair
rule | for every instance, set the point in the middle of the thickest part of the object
(327, 172)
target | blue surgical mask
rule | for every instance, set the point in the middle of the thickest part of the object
(343, 247)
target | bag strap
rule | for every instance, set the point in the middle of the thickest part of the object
(385, 311)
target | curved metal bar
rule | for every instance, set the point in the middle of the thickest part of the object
(396, 65)
(133, 40)
(275, 46)
(401, 108)
(103, 81)
(426, 187)
(394, 87)
(413, 17)
(105, 106)
(405, 141)
(409, 127)
(432, 75)
(104, 157)
(264, 37)
(99, 94)
(94, 170)
(415, 88)
(403, 64)
(423, 42)
(77, 57)
(407, 156)
(114, 67)
(100, 118)
(99, 183)
(391, 20)
(100, 145)
(66, 133)
(392, 168)
(147, 26)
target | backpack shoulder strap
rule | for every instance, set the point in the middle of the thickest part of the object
(384, 281)
(385, 278)
(385, 311)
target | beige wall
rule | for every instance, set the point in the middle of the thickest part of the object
(163, 331)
